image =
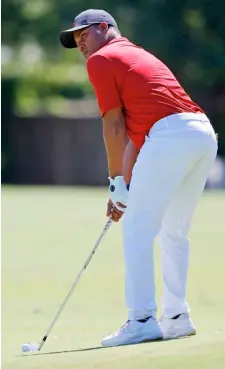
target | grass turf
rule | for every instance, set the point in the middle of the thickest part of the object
(47, 234)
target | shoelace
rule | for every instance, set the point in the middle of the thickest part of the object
(125, 325)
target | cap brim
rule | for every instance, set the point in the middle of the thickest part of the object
(66, 37)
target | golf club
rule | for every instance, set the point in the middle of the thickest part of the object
(37, 347)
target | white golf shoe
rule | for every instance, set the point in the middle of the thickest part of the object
(133, 332)
(175, 328)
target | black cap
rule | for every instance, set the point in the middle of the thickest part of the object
(83, 20)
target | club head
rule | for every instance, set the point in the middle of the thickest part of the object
(29, 347)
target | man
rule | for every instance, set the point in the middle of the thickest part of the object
(160, 146)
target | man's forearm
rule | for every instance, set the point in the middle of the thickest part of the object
(129, 159)
(116, 140)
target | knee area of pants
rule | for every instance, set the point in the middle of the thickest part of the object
(176, 238)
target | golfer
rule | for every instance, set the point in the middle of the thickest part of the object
(160, 147)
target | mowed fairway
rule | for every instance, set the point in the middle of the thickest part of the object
(47, 233)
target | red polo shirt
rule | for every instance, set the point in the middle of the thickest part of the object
(125, 75)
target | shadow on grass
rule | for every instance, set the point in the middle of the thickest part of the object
(85, 349)
(62, 352)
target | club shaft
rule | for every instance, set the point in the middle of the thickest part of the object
(107, 226)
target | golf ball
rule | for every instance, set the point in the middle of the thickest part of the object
(29, 347)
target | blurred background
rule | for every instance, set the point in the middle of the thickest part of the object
(51, 130)
(52, 138)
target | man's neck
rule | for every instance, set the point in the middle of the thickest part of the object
(111, 36)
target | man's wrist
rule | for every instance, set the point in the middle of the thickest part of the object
(120, 175)
(113, 175)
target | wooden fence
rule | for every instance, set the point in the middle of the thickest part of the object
(60, 151)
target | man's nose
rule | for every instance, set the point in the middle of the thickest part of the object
(80, 46)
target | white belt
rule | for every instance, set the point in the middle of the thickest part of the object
(175, 119)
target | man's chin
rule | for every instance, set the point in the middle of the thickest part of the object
(88, 54)
(85, 55)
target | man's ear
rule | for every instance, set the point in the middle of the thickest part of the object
(103, 27)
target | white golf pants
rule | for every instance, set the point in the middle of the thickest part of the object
(167, 181)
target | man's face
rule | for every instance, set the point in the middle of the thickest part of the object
(90, 39)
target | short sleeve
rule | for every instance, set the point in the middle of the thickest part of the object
(101, 75)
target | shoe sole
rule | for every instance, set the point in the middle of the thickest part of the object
(172, 336)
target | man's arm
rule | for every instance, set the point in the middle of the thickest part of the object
(129, 159)
(115, 138)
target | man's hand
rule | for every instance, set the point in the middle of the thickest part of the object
(113, 212)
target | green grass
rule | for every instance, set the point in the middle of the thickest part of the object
(47, 234)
